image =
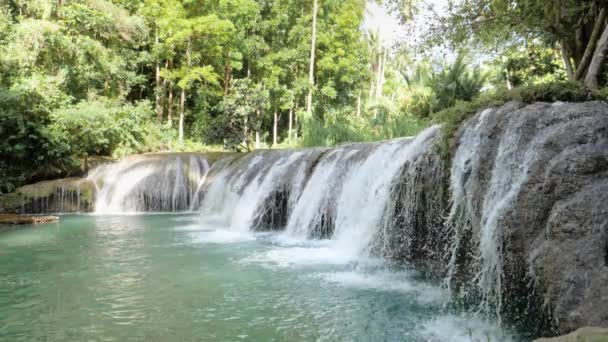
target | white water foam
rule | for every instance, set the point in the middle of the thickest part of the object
(299, 257)
(451, 328)
(220, 236)
(388, 281)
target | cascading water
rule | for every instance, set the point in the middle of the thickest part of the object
(240, 191)
(155, 182)
(340, 194)
(366, 193)
(477, 249)
(67, 195)
(500, 226)
(314, 212)
(515, 172)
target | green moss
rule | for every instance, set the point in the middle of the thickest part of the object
(452, 118)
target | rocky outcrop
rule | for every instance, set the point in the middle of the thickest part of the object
(530, 215)
(415, 232)
(13, 219)
(586, 334)
(68, 195)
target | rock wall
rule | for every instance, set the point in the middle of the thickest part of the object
(530, 215)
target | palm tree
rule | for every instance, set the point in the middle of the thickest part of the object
(434, 89)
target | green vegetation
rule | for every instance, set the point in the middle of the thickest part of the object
(452, 117)
(87, 78)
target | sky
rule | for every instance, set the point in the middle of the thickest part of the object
(389, 26)
(395, 34)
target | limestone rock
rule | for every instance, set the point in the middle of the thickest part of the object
(530, 214)
(586, 334)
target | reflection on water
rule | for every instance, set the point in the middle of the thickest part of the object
(160, 278)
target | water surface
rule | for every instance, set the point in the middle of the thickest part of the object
(172, 278)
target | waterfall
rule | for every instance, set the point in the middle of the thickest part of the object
(152, 182)
(499, 222)
(490, 165)
(344, 194)
(314, 212)
(256, 191)
(362, 205)
(519, 173)
(66, 195)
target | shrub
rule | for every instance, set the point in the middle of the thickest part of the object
(451, 118)
(102, 127)
(28, 149)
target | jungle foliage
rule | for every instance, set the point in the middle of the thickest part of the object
(80, 78)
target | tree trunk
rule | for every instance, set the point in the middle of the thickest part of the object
(383, 73)
(595, 66)
(567, 61)
(579, 45)
(295, 122)
(591, 45)
(359, 105)
(290, 124)
(311, 73)
(275, 129)
(170, 105)
(380, 76)
(245, 132)
(59, 6)
(371, 88)
(159, 105)
(182, 105)
(182, 102)
(257, 131)
(227, 76)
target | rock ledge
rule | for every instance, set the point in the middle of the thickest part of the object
(25, 219)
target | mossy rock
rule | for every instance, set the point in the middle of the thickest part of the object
(62, 195)
(13, 219)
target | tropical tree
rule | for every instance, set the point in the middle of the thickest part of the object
(577, 26)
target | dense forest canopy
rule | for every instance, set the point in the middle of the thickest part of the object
(85, 78)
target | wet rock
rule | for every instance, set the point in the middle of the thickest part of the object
(13, 219)
(415, 232)
(64, 195)
(530, 214)
(586, 334)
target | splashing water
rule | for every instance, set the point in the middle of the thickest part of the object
(155, 182)
(361, 207)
